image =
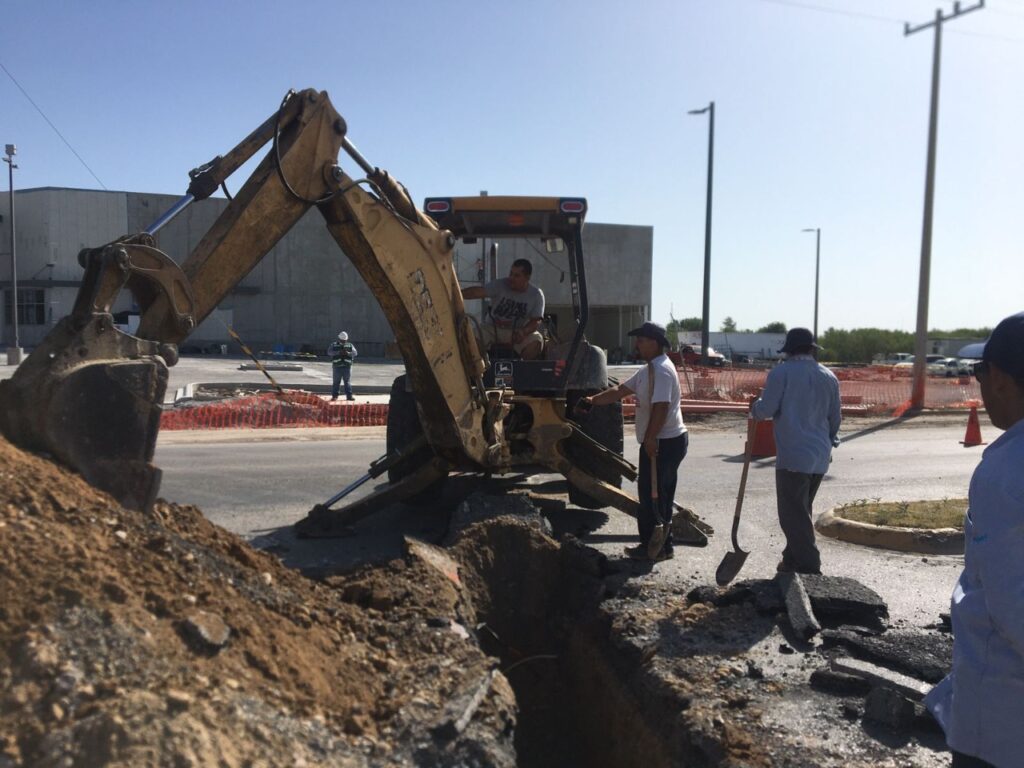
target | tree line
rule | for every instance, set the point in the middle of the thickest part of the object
(857, 345)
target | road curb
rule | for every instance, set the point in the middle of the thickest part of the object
(938, 541)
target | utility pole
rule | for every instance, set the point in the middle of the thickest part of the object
(14, 351)
(921, 339)
(706, 313)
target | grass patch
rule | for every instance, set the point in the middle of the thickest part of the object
(944, 513)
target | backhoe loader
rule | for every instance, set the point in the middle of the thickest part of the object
(90, 395)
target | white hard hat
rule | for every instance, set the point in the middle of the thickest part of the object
(343, 336)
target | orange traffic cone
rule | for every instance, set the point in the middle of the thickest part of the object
(973, 436)
(764, 441)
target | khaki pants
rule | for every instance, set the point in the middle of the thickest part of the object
(494, 335)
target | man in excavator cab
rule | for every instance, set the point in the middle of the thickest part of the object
(90, 395)
(517, 310)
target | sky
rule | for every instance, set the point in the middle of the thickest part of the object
(821, 122)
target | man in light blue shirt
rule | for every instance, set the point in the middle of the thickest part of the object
(980, 704)
(801, 396)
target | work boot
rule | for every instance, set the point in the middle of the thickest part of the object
(639, 552)
(334, 398)
(665, 554)
(350, 398)
(658, 537)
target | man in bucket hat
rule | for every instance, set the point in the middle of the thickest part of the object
(980, 704)
(662, 435)
(801, 397)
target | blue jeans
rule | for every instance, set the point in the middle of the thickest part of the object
(342, 373)
(671, 452)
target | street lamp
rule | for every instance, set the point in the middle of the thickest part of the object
(817, 267)
(706, 314)
(14, 352)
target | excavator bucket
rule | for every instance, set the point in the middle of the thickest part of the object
(89, 396)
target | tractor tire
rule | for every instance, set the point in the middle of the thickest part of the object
(603, 424)
(403, 426)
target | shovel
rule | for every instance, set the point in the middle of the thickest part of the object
(733, 561)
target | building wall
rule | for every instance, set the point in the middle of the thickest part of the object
(305, 290)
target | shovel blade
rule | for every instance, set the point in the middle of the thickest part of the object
(730, 566)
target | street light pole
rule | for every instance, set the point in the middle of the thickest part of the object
(706, 313)
(817, 272)
(13, 352)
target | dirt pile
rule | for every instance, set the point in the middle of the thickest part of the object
(153, 640)
(129, 639)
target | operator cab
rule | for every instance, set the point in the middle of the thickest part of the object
(550, 229)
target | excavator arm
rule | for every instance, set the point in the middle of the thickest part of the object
(90, 394)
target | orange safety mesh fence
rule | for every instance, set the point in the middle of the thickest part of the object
(863, 390)
(300, 409)
(874, 390)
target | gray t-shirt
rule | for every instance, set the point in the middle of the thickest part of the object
(511, 309)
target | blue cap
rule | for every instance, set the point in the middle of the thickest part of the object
(1005, 347)
(651, 330)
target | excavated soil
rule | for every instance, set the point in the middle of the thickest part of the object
(131, 639)
(161, 640)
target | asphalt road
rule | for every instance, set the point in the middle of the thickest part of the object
(259, 484)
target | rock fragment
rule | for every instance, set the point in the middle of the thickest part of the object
(207, 631)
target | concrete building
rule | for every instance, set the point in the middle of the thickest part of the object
(305, 290)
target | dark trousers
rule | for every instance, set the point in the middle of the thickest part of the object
(342, 373)
(960, 760)
(795, 492)
(671, 452)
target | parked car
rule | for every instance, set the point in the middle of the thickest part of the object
(967, 365)
(935, 365)
(893, 358)
(691, 356)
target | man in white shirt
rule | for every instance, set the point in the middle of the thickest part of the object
(661, 433)
(980, 704)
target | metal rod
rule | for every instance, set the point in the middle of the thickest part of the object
(171, 212)
(361, 161)
(347, 490)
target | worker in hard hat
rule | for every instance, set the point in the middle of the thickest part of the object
(342, 352)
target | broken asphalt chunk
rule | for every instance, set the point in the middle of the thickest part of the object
(904, 684)
(798, 606)
(842, 600)
(927, 657)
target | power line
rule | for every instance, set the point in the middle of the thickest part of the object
(50, 123)
(834, 11)
(893, 19)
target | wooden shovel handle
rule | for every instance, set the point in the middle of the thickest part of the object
(747, 451)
